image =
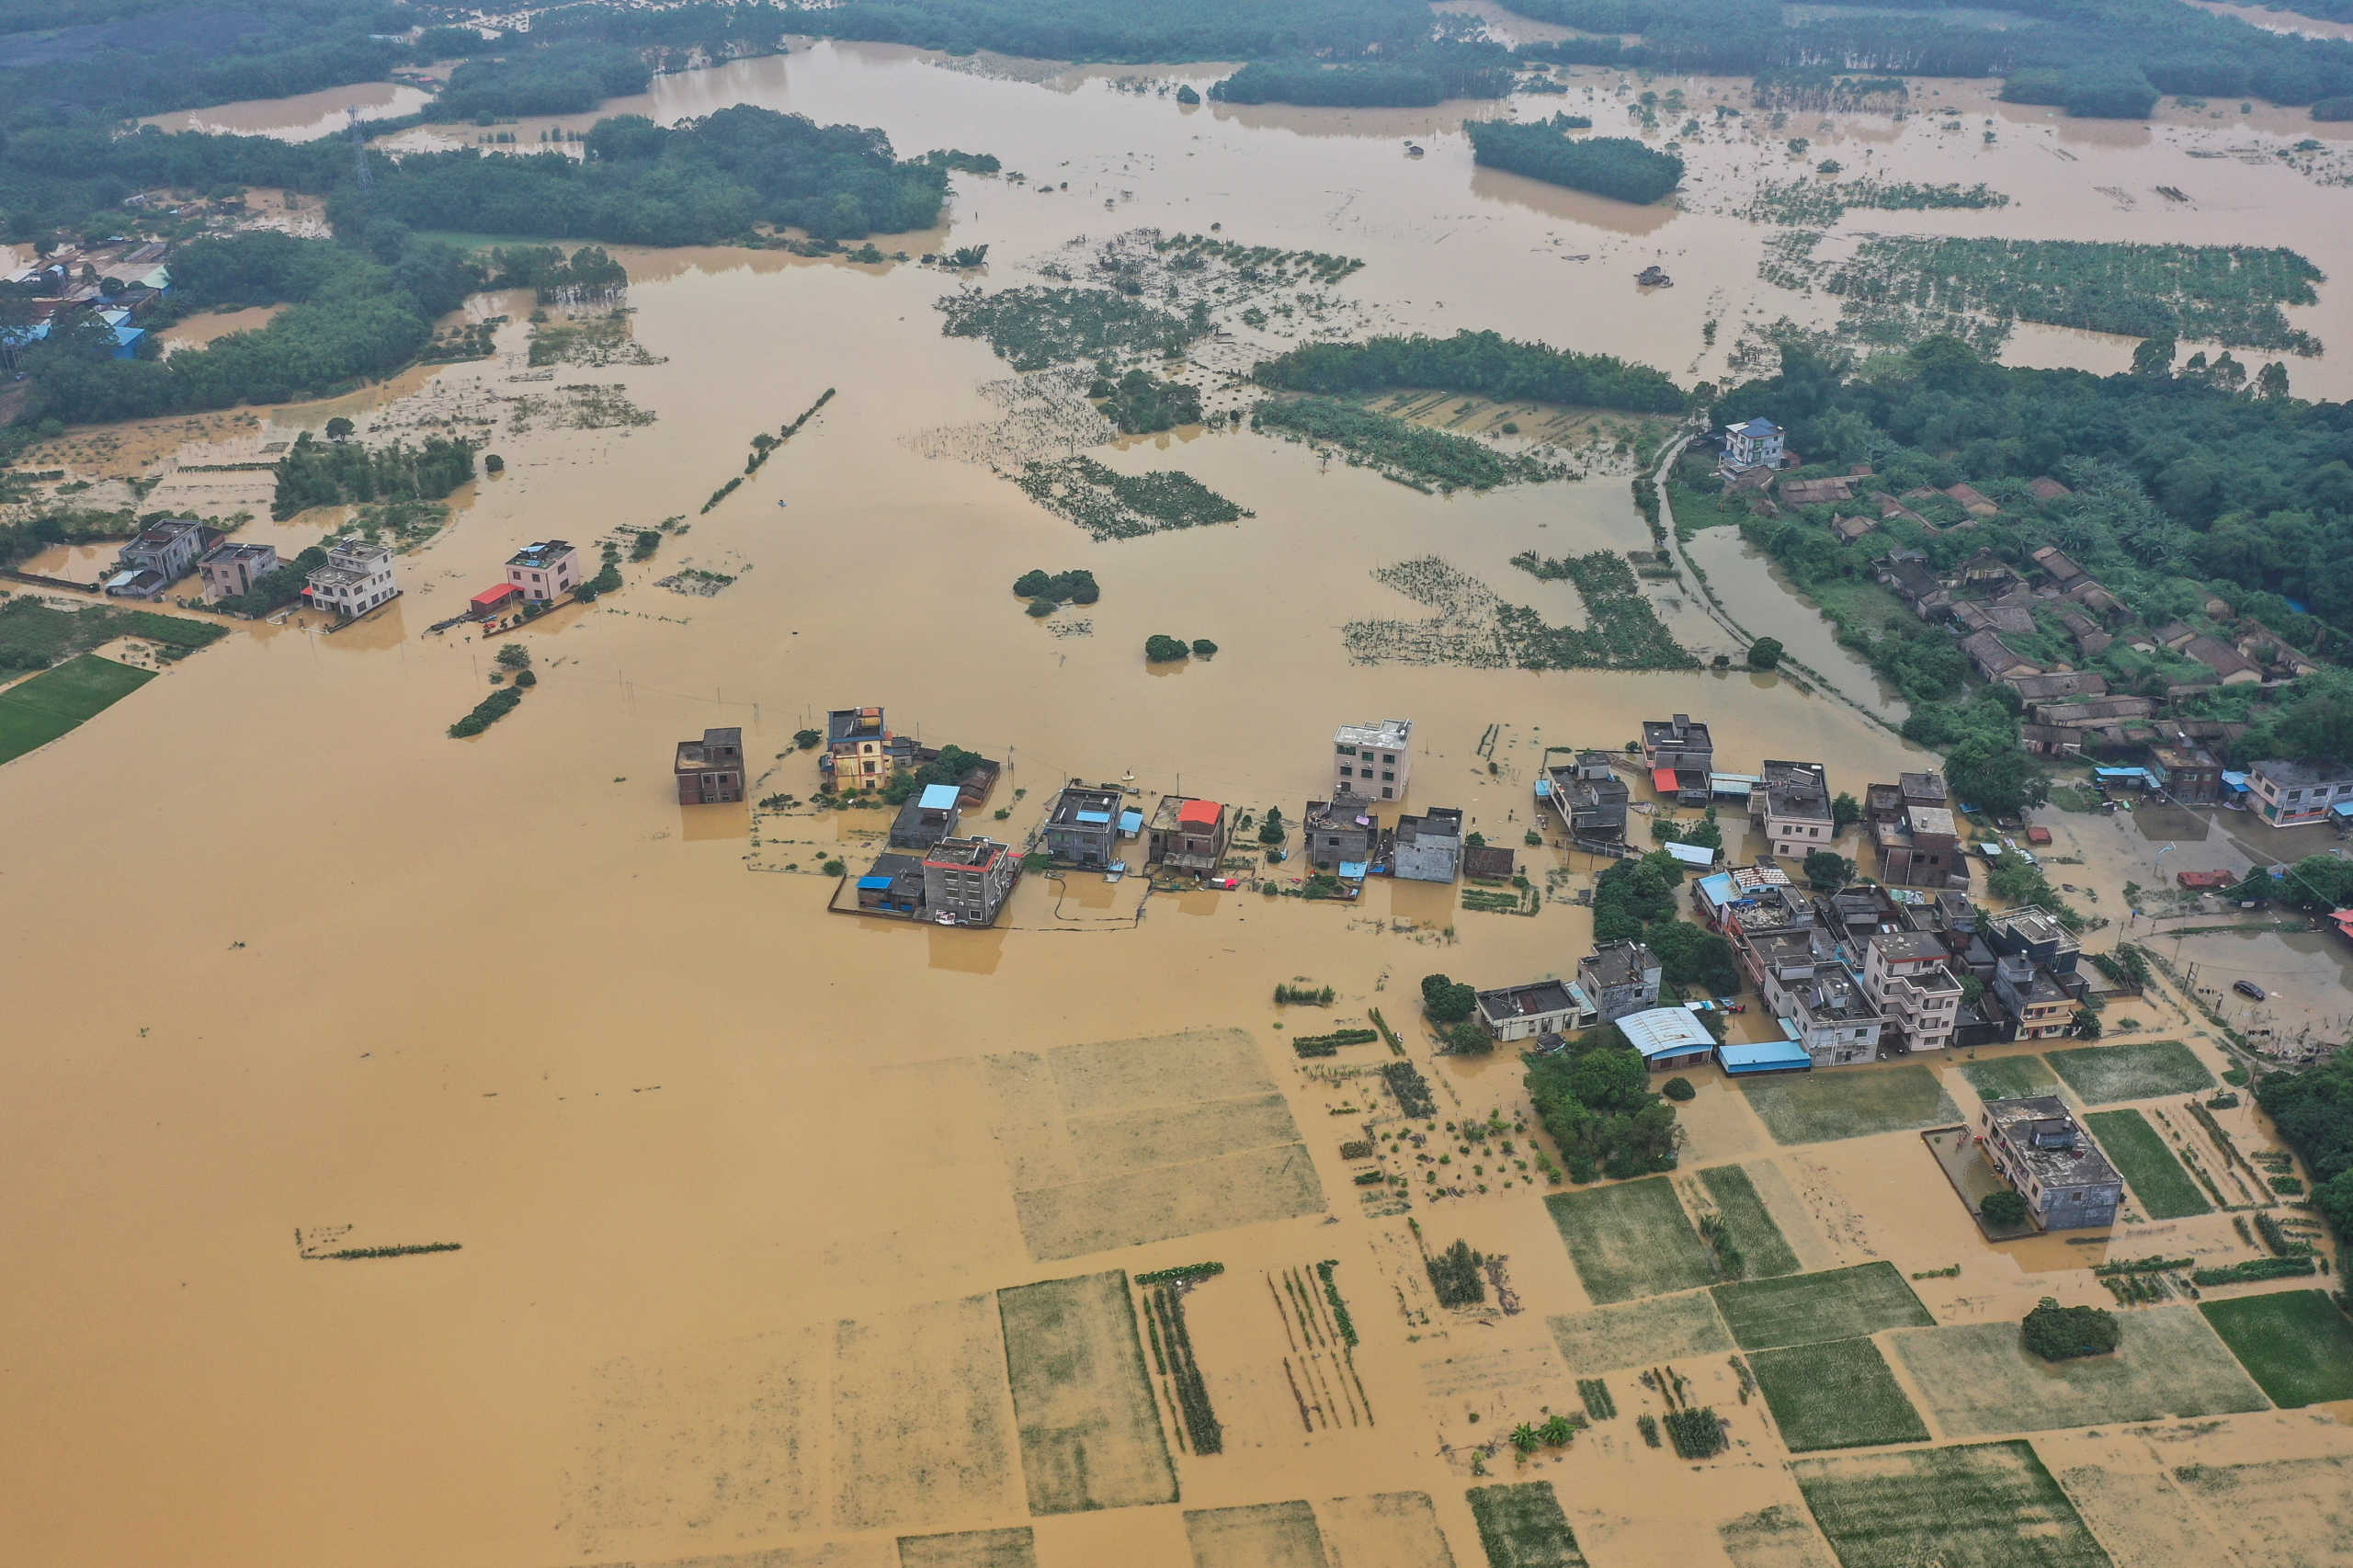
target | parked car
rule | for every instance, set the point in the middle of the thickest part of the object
(2248, 989)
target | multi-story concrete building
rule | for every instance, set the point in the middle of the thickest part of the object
(711, 771)
(965, 881)
(1791, 807)
(1523, 1012)
(1905, 977)
(1373, 760)
(861, 753)
(927, 817)
(1188, 834)
(2032, 996)
(1428, 848)
(1618, 978)
(356, 579)
(1681, 757)
(1823, 1005)
(230, 570)
(162, 554)
(2291, 793)
(2187, 772)
(1338, 831)
(2067, 1182)
(545, 571)
(1588, 797)
(1912, 822)
(1752, 443)
(1083, 825)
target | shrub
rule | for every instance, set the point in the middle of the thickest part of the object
(1042, 607)
(1160, 650)
(2003, 1209)
(807, 738)
(515, 656)
(493, 464)
(2057, 1333)
(1186, 94)
(1455, 1274)
(1203, 648)
(1827, 870)
(525, 677)
(835, 868)
(1468, 1038)
(1677, 1089)
(1764, 654)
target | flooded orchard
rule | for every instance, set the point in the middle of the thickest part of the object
(783, 1237)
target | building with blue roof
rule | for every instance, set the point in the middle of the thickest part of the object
(1753, 444)
(927, 819)
(1761, 1057)
(1083, 825)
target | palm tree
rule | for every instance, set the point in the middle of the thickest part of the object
(1524, 1438)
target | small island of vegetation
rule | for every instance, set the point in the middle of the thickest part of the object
(1616, 166)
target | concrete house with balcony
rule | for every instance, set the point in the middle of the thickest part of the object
(229, 570)
(358, 577)
(1619, 978)
(1822, 1005)
(1791, 807)
(2291, 793)
(1428, 848)
(1905, 977)
(2036, 1144)
(1188, 834)
(1681, 757)
(966, 880)
(1083, 825)
(162, 554)
(1373, 760)
(544, 572)
(1754, 443)
(711, 771)
(1523, 1012)
(1587, 796)
(861, 753)
(928, 816)
(1912, 828)
(1338, 831)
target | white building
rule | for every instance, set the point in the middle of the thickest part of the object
(1755, 444)
(1523, 1012)
(546, 571)
(1792, 807)
(1905, 974)
(2288, 794)
(1817, 998)
(1373, 760)
(356, 579)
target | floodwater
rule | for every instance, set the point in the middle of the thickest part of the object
(305, 116)
(294, 972)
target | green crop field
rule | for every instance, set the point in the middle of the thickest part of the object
(2296, 1343)
(1764, 1251)
(2103, 1074)
(1809, 1309)
(1641, 1334)
(2010, 1077)
(34, 712)
(1812, 1107)
(1978, 1378)
(1083, 1401)
(1985, 1505)
(1838, 1395)
(1521, 1526)
(2156, 1177)
(1630, 1239)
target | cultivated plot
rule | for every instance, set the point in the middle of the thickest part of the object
(2103, 1074)
(1128, 1142)
(1985, 1505)
(1641, 1334)
(1838, 1395)
(2280, 1513)
(1778, 1537)
(2141, 1517)
(2010, 1077)
(2163, 1188)
(1814, 1108)
(2295, 1343)
(922, 1434)
(1521, 1526)
(34, 712)
(1089, 1427)
(1813, 1309)
(1979, 1377)
(1385, 1529)
(1748, 1228)
(970, 1549)
(1630, 1239)
(1265, 1535)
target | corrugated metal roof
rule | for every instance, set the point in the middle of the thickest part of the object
(1130, 822)
(937, 797)
(1691, 854)
(1095, 818)
(1665, 1031)
(1765, 1056)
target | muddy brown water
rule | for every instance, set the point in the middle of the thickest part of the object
(289, 966)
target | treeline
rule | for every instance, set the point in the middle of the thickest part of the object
(572, 77)
(1120, 30)
(334, 474)
(2095, 57)
(2314, 1110)
(588, 275)
(1486, 363)
(1618, 166)
(1596, 1101)
(1414, 78)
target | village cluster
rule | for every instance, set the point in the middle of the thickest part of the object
(104, 288)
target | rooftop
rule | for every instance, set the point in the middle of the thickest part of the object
(1755, 427)
(1081, 806)
(1343, 810)
(854, 723)
(964, 854)
(1932, 819)
(1678, 733)
(937, 797)
(2035, 924)
(1665, 1031)
(241, 553)
(2310, 770)
(1834, 995)
(2043, 1134)
(1526, 1001)
(1924, 788)
(1438, 822)
(1910, 947)
(540, 556)
(1389, 734)
(1201, 814)
(1619, 963)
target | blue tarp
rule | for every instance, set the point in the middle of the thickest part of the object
(1096, 818)
(1130, 824)
(1544, 788)
(2232, 781)
(866, 884)
(1767, 1056)
(1352, 870)
(1717, 890)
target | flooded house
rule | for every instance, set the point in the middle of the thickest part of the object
(1912, 826)
(1754, 443)
(1668, 1038)
(965, 881)
(1373, 760)
(711, 771)
(892, 885)
(1188, 834)
(2034, 977)
(231, 568)
(544, 572)
(1587, 796)
(1619, 978)
(162, 554)
(1338, 831)
(1906, 977)
(2036, 1144)
(861, 753)
(1820, 1002)
(1083, 825)
(1792, 807)
(927, 817)
(1681, 757)
(358, 577)
(1523, 1012)
(1428, 848)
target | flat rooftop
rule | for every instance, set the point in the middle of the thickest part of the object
(1526, 1001)
(2043, 1134)
(1389, 734)
(540, 556)
(961, 853)
(1079, 806)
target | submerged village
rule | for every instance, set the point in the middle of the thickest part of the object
(1348, 785)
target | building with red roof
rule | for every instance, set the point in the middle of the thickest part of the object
(1188, 834)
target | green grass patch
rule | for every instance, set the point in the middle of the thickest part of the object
(1521, 1526)
(2295, 1344)
(34, 712)
(1842, 1394)
(1696, 509)
(1763, 1251)
(2156, 1177)
(1412, 454)
(2102, 1074)
(1854, 1102)
(1986, 1505)
(2010, 1077)
(1979, 1377)
(1641, 1334)
(1630, 1239)
(1813, 1309)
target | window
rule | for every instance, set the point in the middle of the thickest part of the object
(1388, 779)
(1387, 794)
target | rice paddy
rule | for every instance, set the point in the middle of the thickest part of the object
(1841, 1394)
(1630, 1239)
(1521, 1526)
(1814, 1108)
(2010, 1077)
(1015, 1548)
(2292, 1513)
(1813, 1309)
(1777, 1536)
(1979, 1377)
(2296, 1344)
(1383, 1529)
(1985, 1505)
(1747, 1228)
(1083, 1405)
(1641, 1334)
(2104, 1075)
(2163, 1188)
(1263, 1535)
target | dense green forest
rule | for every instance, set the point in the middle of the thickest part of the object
(564, 78)
(1400, 78)
(2095, 57)
(1608, 166)
(1112, 29)
(1486, 363)
(2314, 1110)
(332, 473)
